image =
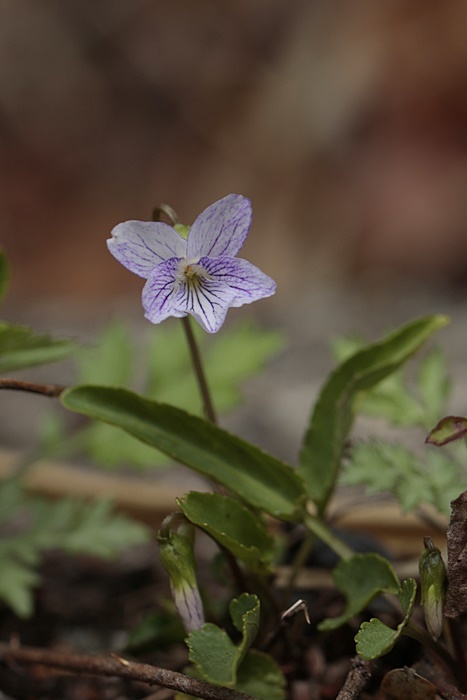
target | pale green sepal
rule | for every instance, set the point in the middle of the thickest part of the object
(182, 230)
(333, 415)
(361, 578)
(255, 476)
(374, 638)
(232, 525)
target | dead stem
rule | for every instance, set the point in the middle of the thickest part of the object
(113, 665)
(52, 390)
(357, 679)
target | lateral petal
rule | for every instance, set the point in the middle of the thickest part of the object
(246, 281)
(141, 245)
(160, 293)
(221, 228)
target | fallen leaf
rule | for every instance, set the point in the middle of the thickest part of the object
(406, 684)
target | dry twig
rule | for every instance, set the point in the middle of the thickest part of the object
(115, 666)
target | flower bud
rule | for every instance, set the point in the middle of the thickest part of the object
(176, 554)
(433, 582)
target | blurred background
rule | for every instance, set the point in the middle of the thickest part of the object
(344, 122)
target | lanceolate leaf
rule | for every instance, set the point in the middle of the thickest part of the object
(258, 478)
(232, 525)
(333, 415)
(21, 347)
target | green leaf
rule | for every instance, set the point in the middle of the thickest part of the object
(16, 586)
(333, 415)
(90, 527)
(392, 400)
(4, 274)
(361, 578)
(430, 478)
(109, 362)
(71, 525)
(244, 612)
(433, 384)
(165, 371)
(374, 639)
(229, 359)
(212, 651)
(260, 677)
(214, 654)
(233, 526)
(258, 478)
(448, 429)
(21, 347)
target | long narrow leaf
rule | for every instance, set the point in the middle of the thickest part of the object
(258, 478)
(333, 415)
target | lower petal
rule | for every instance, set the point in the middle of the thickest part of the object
(206, 300)
(246, 282)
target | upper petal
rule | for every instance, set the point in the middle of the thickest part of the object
(221, 228)
(247, 282)
(141, 245)
(159, 293)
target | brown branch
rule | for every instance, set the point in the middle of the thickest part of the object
(357, 679)
(115, 666)
(52, 390)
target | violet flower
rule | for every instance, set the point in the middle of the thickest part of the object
(199, 275)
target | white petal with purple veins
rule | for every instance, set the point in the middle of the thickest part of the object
(221, 228)
(247, 282)
(160, 292)
(141, 245)
(206, 300)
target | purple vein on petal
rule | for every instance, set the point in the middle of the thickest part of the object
(221, 228)
(141, 245)
(159, 293)
(247, 282)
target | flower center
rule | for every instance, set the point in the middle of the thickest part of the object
(191, 273)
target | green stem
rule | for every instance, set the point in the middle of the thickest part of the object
(199, 371)
(319, 528)
(299, 562)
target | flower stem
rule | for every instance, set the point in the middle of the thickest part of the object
(199, 371)
(170, 214)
